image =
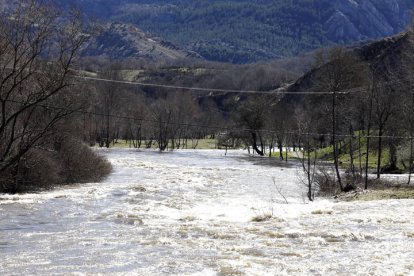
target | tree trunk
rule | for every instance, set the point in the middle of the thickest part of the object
(107, 132)
(309, 169)
(351, 151)
(335, 149)
(139, 137)
(280, 146)
(393, 155)
(410, 167)
(270, 150)
(286, 158)
(368, 137)
(379, 151)
(255, 147)
(359, 152)
(262, 145)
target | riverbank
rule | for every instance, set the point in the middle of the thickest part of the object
(398, 192)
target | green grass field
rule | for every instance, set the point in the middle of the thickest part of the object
(384, 194)
(326, 154)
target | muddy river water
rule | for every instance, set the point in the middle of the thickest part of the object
(192, 213)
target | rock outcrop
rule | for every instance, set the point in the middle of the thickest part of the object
(355, 20)
(118, 41)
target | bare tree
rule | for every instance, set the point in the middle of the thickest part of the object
(408, 104)
(384, 100)
(38, 47)
(341, 71)
(109, 96)
(253, 115)
(305, 124)
(162, 115)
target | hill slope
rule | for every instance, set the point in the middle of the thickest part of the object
(242, 31)
(387, 52)
(119, 41)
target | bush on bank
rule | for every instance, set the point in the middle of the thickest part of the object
(70, 161)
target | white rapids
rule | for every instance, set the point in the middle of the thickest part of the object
(190, 213)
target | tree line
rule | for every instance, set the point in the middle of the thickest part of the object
(48, 116)
(362, 113)
(40, 145)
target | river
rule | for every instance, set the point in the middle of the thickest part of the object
(191, 213)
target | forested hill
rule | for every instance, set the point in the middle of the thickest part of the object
(242, 31)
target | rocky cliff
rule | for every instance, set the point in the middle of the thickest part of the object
(355, 20)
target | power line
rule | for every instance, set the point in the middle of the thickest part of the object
(241, 91)
(211, 90)
(201, 89)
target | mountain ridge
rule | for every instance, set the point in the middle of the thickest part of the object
(248, 31)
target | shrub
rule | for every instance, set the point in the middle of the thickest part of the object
(42, 168)
(325, 181)
(39, 169)
(81, 164)
(36, 170)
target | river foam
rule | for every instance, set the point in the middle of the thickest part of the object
(191, 213)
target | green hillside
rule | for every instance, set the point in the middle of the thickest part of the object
(238, 31)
